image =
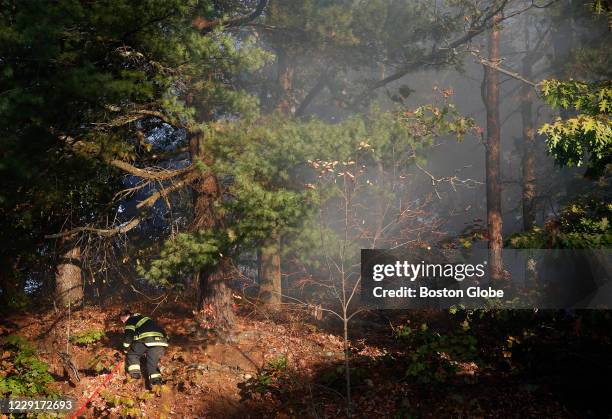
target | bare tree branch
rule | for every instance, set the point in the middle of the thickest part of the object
(104, 232)
(502, 70)
(149, 174)
(147, 203)
(452, 180)
(163, 193)
(137, 115)
(316, 89)
(122, 194)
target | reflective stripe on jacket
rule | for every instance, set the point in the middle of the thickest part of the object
(143, 329)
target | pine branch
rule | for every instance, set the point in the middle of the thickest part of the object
(439, 53)
(207, 26)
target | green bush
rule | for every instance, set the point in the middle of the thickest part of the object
(126, 405)
(433, 356)
(585, 223)
(21, 372)
(271, 379)
(278, 364)
(87, 337)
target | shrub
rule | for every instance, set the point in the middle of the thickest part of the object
(124, 405)
(87, 337)
(21, 372)
(585, 223)
(271, 379)
(433, 356)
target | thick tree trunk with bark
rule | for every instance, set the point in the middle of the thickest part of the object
(269, 255)
(68, 280)
(529, 184)
(493, 156)
(214, 296)
(270, 272)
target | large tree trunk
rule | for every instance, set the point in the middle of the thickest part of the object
(493, 155)
(68, 281)
(269, 255)
(214, 296)
(270, 272)
(529, 185)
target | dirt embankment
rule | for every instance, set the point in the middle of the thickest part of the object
(204, 377)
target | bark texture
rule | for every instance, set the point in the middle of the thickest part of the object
(68, 280)
(493, 157)
(270, 272)
(214, 296)
(269, 255)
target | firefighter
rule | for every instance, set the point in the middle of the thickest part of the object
(143, 337)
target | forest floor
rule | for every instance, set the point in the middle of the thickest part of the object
(291, 365)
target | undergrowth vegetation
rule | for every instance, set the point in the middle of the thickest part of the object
(22, 373)
(87, 337)
(434, 356)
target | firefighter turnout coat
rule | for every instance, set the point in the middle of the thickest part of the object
(139, 328)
